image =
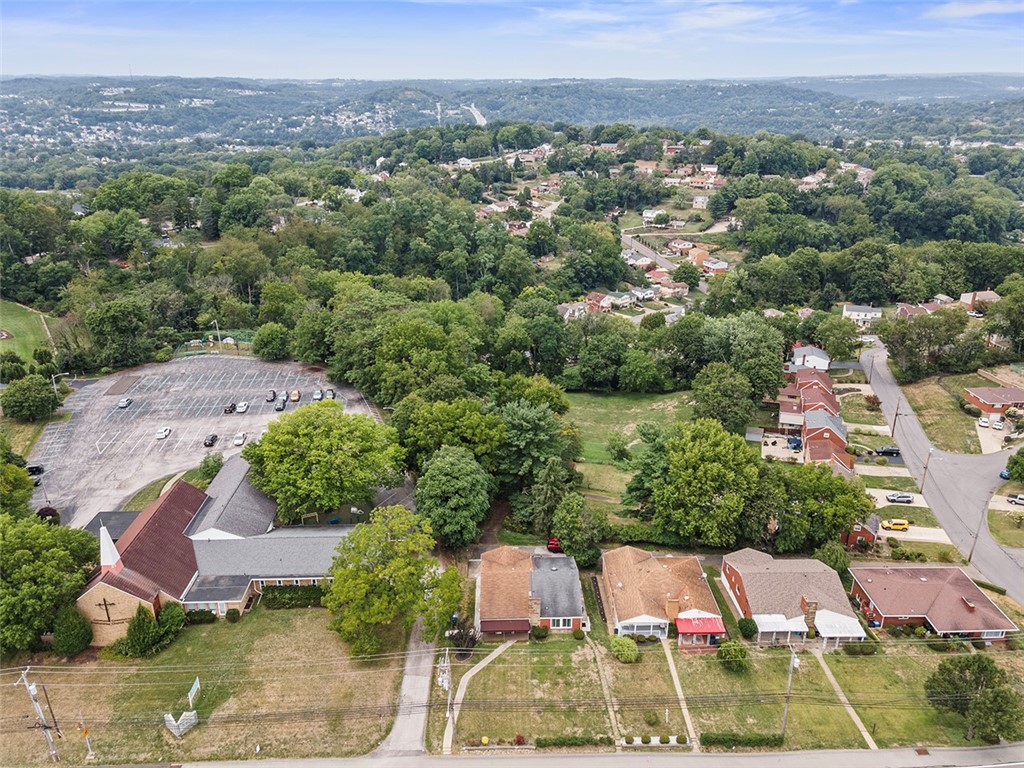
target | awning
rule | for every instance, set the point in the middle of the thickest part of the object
(704, 625)
(505, 625)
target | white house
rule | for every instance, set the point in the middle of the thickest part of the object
(811, 357)
(861, 314)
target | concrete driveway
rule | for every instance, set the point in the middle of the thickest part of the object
(879, 494)
(958, 487)
(1002, 503)
(917, 533)
(104, 454)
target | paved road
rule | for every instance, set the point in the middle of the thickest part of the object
(978, 757)
(406, 737)
(662, 261)
(958, 486)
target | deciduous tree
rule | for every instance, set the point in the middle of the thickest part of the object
(454, 495)
(30, 398)
(721, 392)
(579, 529)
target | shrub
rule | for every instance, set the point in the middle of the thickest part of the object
(519, 740)
(972, 410)
(538, 633)
(947, 556)
(651, 717)
(642, 533)
(1014, 643)
(863, 648)
(72, 632)
(730, 739)
(574, 741)
(733, 655)
(920, 631)
(578, 634)
(639, 639)
(748, 628)
(625, 650)
(292, 597)
(171, 620)
(664, 739)
(811, 633)
(143, 633)
(682, 739)
(653, 639)
(673, 632)
(211, 465)
(645, 739)
(201, 616)
(881, 461)
(990, 587)
(979, 645)
(232, 615)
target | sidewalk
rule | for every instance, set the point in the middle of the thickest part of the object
(846, 702)
(691, 732)
(410, 725)
(449, 729)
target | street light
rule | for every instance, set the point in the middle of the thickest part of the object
(216, 325)
(977, 532)
(53, 380)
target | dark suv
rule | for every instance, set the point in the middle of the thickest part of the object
(888, 450)
(230, 408)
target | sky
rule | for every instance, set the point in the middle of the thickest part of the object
(520, 39)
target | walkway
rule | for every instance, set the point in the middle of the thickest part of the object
(846, 702)
(691, 732)
(449, 729)
(616, 734)
(406, 737)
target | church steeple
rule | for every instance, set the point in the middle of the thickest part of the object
(110, 558)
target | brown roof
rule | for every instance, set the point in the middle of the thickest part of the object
(812, 397)
(776, 586)
(998, 395)
(942, 594)
(155, 546)
(638, 584)
(505, 584)
(128, 581)
(813, 376)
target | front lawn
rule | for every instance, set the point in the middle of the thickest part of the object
(855, 410)
(889, 483)
(921, 516)
(598, 415)
(934, 400)
(1004, 529)
(281, 679)
(644, 690)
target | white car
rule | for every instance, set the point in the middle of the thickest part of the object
(974, 313)
(161, 434)
(124, 402)
(239, 439)
(998, 424)
(243, 407)
(983, 422)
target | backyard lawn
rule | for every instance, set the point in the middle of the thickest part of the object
(277, 678)
(854, 410)
(1004, 529)
(25, 327)
(599, 415)
(752, 701)
(934, 400)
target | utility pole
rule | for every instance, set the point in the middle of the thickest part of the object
(924, 477)
(30, 688)
(794, 663)
(85, 735)
(216, 325)
(896, 418)
(977, 532)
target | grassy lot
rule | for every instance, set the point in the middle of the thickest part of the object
(871, 440)
(603, 478)
(644, 689)
(26, 328)
(854, 410)
(599, 415)
(752, 701)
(848, 376)
(1004, 530)
(934, 551)
(25, 436)
(916, 515)
(889, 483)
(150, 493)
(550, 688)
(277, 678)
(517, 539)
(888, 694)
(934, 400)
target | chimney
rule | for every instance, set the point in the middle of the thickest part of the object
(110, 558)
(969, 603)
(534, 610)
(671, 606)
(810, 609)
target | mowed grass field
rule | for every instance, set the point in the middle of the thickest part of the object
(25, 326)
(935, 402)
(599, 415)
(1004, 529)
(281, 679)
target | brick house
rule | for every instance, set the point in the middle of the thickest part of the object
(517, 590)
(975, 300)
(943, 599)
(995, 400)
(863, 534)
(597, 302)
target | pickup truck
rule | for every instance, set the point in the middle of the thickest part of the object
(1018, 499)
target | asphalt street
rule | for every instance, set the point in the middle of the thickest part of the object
(957, 487)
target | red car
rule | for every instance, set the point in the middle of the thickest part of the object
(124, 265)
(554, 545)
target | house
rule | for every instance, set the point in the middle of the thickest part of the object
(697, 257)
(464, 163)
(809, 356)
(996, 400)
(659, 276)
(710, 170)
(822, 425)
(812, 378)
(680, 246)
(771, 312)
(673, 289)
(700, 202)
(813, 399)
(597, 302)
(941, 298)
(788, 597)
(804, 312)
(713, 266)
(861, 314)
(517, 590)
(234, 508)
(629, 256)
(574, 310)
(862, 534)
(650, 214)
(643, 294)
(644, 593)
(644, 263)
(646, 167)
(977, 300)
(621, 299)
(908, 310)
(941, 598)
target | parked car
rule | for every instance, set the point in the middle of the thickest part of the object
(888, 450)
(998, 424)
(983, 422)
(34, 470)
(896, 524)
(243, 407)
(161, 434)
(230, 408)
(281, 402)
(318, 394)
(331, 394)
(899, 498)
(271, 395)
(210, 440)
(295, 396)
(794, 443)
(1018, 499)
(240, 439)
(974, 313)
(124, 402)
(1004, 474)
(554, 545)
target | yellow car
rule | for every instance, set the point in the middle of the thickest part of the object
(895, 525)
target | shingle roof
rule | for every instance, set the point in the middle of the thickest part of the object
(556, 581)
(639, 584)
(155, 545)
(998, 395)
(824, 420)
(942, 594)
(218, 589)
(235, 506)
(290, 552)
(116, 523)
(128, 581)
(505, 584)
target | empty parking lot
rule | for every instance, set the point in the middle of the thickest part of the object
(104, 454)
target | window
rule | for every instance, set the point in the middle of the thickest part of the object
(296, 582)
(561, 623)
(991, 633)
(280, 582)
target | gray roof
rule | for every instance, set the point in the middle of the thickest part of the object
(556, 580)
(116, 523)
(823, 419)
(862, 308)
(219, 589)
(776, 586)
(292, 552)
(235, 506)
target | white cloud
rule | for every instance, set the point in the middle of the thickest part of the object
(964, 9)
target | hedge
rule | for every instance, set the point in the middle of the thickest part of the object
(863, 648)
(733, 739)
(292, 597)
(990, 587)
(201, 616)
(573, 741)
(642, 533)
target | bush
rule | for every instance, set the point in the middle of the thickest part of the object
(519, 740)
(651, 717)
(920, 631)
(625, 650)
(730, 739)
(748, 628)
(673, 632)
(863, 648)
(201, 616)
(979, 645)
(538, 633)
(292, 597)
(639, 639)
(642, 533)
(733, 655)
(233, 615)
(1014, 643)
(881, 461)
(664, 739)
(990, 587)
(171, 620)
(143, 633)
(211, 465)
(72, 632)
(578, 634)
(645, 739)
(972, 410)
(653, 639)
(573, 741)
(682, 739)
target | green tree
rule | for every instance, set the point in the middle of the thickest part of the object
(424, 427)
(834, 555)
(721, 392)
(118, 329)
(272, 341)
(211, 465)
(453, 493)
(72, 632)
(687, 273)
(42, 568)
(640, 373)
(533, 435)
(29, 399)
(143, 633)
(443, 602)
(381, 575)
(579, 529)
(319, 458)
(838, 336)
(311, 338)
(546, 493)
(996, 714)
(969, 681)
(16, 486)
(625, 649)
(733, 655)
(1015, 466)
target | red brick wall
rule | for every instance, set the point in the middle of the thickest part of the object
(735, 582)
(985, 407)
(577, 623)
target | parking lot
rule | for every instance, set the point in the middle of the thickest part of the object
(100, 457)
